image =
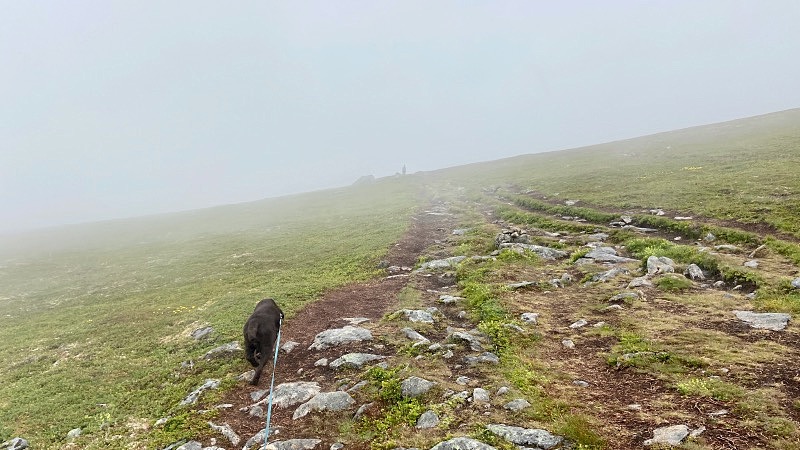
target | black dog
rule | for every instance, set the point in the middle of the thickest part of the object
(260, 333)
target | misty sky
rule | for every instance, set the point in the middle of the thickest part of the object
(121, 108)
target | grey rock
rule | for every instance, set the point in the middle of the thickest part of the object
(258, 395)
(247, 376)
(191, 445)
(289, 346)
(358, 386)
(580, 383)
(530, 318)
(337, 446)
(74, 433)
(362, 409)
(448, 354)
(462, 380)
(728, 248)
(226, 431)
(322, 362)
(568, 343)
(610, 274)
(768, 321)
(520, 285)
(449, 299)
(415, 386)
(697, 432)
(255, 441)
(752, 264)
(428, 419)
(355, 320)
(579, 324)
(255, 411)
(623, 297)
(503, 390)
(354, 360)
(294, 444)
(639, 229)
(694, 272)
(419, 315)
(290, 394)
(598, 237)
(612, 308)
(719, 284)
(485, 358)
(462, 443)
(796, 283)
(460, 231)
(447, 263)
(639, 282)
(660, 264)
(526, 436)
(224, 351)
(672, 435)
(474, 344)
(195, 394)
(463, 396)
(201, 333)
(339, 336)
(517, 405)
(16, 443)
(480, 395)
(607, 254)
(709, 237)
(541, 251)
(325, 401)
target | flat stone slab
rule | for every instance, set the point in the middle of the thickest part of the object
(607, 254)
(542, 252)
(447, 263)
(462, 443)
(517, 405)
(415, 386)
(485, 358)
(224, 351)
(339, 336)
(419, 315)
(354, 360)
(325, 401)
(767, 321)
(294, 444)
(526, 436)
(672, 435)
(294, 393)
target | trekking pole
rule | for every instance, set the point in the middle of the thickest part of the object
(272, 383)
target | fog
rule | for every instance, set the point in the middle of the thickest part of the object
(126, 108)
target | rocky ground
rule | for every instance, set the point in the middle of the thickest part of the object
(573, 318)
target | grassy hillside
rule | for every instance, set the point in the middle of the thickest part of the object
(94, 318)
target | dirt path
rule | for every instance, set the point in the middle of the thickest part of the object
(370, 300)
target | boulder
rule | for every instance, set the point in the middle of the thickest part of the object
(796, 283)
(485, 358)
(16, 443)
(294, 393)
(694, 272)
(530, 318)
(517, 405)
(226, 431)
(325, 401)
(474, 344)
(767, 321)
(224, 351)
(428, 419)
(414, 335)
(610, 274)
(672, 435)
(415, 386)
(607, 254)
(660, 264)
(534, 437)
(439, 264)
(639, 282)
(462, 443)
(294, 444)
(201, 333)
(354, 360)
(195, 394)
(540, 251)
(339, 336)
(419, 315)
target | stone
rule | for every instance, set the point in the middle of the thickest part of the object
(480, 395)
(201, 333)
(294, 444)
(322, 362)
(289, 346)
(672, 435)
(354, 360)
(639, 282)
(474, 344)
(419, 315)
(598, 236)
(337, 446)
(339, 336)
(16, 443)
(415, 386)
(428, 419)
(325, 401)
(255, 441)
(191, 445)
(355, 320)
(579, 324)
(694, 272)
(610, 274)
(485, 358)
(503, 390)
(224, 351)
(521, 284)
(449, 299)
(447, 263)
(362, 409)
(226, 431)
(460, 231)
(607, 254)
(414, 336)
(612, 308)
(709, 237)
(535, 437)
(542, 252)
(462, 380)
(752, 264)
(568, 343)
(290, 394)
(719, 284)
(624, 297)
(462, 443)
(74, 433)
(767, 321)
(660, 264)
(728, 248)
(358, 386)
(796, 283)
(530, 318)
(258, 395)
(517, 405)
(195, 394)
(580, 383)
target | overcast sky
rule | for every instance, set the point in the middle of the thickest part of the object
(121, 108)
